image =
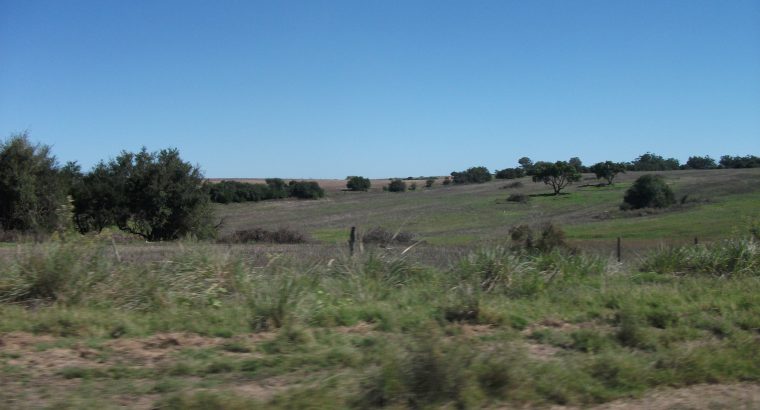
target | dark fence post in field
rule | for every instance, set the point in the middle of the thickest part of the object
(618, 249)
(352, 240)
(696, 241)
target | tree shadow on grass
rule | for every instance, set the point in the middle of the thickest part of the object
(549, 194)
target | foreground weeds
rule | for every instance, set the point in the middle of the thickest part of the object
(212, 329)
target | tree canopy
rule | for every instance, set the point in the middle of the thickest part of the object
(558, 175)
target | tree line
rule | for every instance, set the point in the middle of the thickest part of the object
(155, 195)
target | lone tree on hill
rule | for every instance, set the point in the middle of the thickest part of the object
(356, 183)
(559, 174)
(607, 170)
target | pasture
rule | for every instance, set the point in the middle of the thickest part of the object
(463, 319)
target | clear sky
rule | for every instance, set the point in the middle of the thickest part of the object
(326, 89)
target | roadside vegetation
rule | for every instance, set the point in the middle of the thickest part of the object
(505, 324)
(140, 284)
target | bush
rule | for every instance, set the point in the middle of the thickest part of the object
(649, 191)
(233, 191)
(356, 183)
(474, 175)
(306, 190)
(397, 185)
(429, 182)
(521, 198)
(515, 184)
(282, 235)
(32, 186)
(383, 236)
(544, 239)
(510, 173)
(446, 181)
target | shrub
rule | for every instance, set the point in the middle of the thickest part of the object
(277, 188)
(649, 191)
(397, 185)
(429, 182)
(306, 190)
(413, 186)
(282, 235)
(356, 183)
(521, 198)
(544, 239)
(510, 173)
(446, 181)
(383, 236)
(474, 175)
(234, 191)
(515, 184)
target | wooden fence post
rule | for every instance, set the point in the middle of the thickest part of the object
(696, 241)
(352, 240)
(618, 249)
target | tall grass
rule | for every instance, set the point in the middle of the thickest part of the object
(735, 257)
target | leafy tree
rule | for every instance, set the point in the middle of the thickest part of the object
(526, 164)
(747, 161)
(701, 162)
(607, 170)
(559, 174)
(510, 173)
(100, 197)
(577, 164)
(474, 175)
(397, 185)
(649, 191)
(32, 186)
(154, 195)
(356, 183)
(306, 190)
(653, 162)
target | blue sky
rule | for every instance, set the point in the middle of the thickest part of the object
(325, 89)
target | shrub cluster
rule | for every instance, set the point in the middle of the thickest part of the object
(282, 235)
(275, 188)
(474, 175)
(383, 236)
(510, 173)
(545, 238)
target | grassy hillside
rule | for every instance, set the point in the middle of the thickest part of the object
(718, 203)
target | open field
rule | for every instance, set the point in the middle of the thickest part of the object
(722, 201)
(463, 320)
